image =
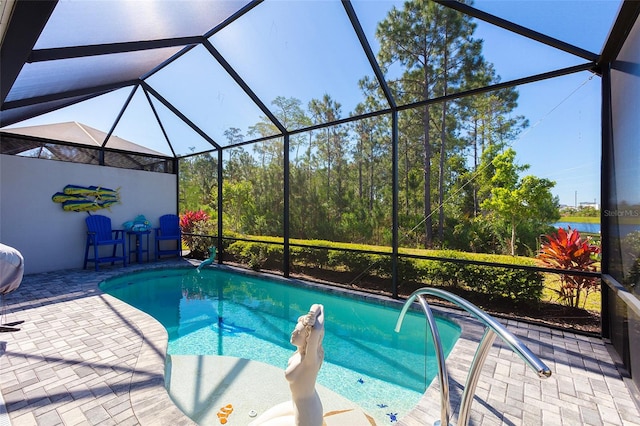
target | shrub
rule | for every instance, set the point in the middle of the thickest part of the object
(567, 250)
(307, 256)
(523, 286)
(256, 255)
(449, 273)
(352, 261)
(200, 242)
(189, 218)
(195, 222)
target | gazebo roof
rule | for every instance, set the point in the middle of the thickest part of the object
(77, 134)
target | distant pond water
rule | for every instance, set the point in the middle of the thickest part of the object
(593, 228)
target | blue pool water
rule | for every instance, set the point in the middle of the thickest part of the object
(216, 312)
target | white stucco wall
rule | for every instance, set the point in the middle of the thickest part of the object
(52, 239)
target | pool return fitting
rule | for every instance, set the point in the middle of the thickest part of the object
(493, 328)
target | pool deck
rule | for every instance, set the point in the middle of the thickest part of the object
(84, 357)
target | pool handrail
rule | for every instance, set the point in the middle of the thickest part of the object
(493, 328)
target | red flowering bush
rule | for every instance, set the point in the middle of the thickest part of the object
(189, 218)
(195, 222)
(567, 250)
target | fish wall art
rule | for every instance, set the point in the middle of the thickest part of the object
(75, 198)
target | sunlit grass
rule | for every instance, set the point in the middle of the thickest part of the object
(552, 282)
(580, 219)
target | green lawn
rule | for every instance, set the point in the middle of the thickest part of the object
(581, 219)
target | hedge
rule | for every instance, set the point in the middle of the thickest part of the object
(520, 285)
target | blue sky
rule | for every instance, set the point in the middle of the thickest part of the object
(563, 140)
(304, 49)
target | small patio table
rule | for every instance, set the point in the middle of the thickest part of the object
(139, 247)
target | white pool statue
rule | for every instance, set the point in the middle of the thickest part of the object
(305, 407)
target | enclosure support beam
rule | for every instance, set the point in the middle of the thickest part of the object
(394, 202)
(220, 175)
(23, 30)
(608, 183)
(285, 219)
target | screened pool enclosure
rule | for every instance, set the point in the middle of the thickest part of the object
(384, 126)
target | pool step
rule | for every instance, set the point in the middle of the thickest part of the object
(201, 386)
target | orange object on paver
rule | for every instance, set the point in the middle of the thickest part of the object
(224, 413)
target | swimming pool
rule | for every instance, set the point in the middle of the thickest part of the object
(218, 312)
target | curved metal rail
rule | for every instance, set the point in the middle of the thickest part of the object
(493, 329)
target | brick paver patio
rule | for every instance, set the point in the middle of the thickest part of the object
(84, 357)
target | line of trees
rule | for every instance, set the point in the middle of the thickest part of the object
(460, 186)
